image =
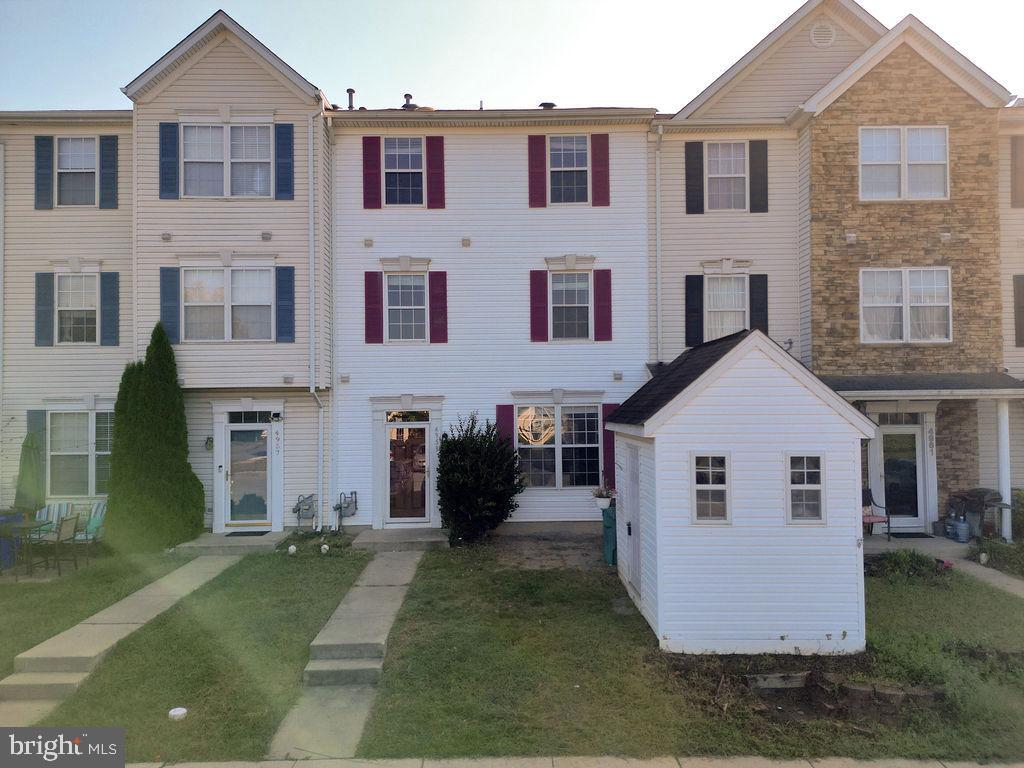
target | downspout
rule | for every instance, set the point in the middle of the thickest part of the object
(311, 311)
(657, 245)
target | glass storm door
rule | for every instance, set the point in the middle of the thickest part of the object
(901, 461)
(407, 458)
(248, 476)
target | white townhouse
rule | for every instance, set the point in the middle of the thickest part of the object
(491, 262)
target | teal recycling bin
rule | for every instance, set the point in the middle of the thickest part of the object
(610, 544)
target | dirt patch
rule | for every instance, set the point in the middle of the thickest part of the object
(541, 553)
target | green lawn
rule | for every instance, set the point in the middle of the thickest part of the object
(33, 612)
(232, 652)
(491, 661)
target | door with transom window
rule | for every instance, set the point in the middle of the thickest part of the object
(247, 475)
(408, 452)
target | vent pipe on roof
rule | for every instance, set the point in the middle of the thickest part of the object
(351, 97)
(408, 102)
(547, 105)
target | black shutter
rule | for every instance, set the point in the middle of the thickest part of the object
(694, 176)
(108, 171)
(759, 177)
(110, 309)
(168, 161)
(694, 310)
(44, 309)
(758, 287)
(170, 302)
(284, 290)
(1018, 309)
(44, 172)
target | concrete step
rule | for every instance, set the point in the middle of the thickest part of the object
(27, 686)
(221, 544)
(19, 714)
(327, 650)
(401, 540)
(343, 672)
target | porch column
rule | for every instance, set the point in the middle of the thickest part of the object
(1003, 459)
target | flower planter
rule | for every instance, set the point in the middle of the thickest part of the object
(603, 503)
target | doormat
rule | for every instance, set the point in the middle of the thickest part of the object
(910, 535)
(260, 533)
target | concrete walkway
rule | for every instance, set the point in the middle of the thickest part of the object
(345, 664)
(53, 670)
(592, 762)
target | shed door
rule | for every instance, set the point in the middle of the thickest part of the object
(632, 510)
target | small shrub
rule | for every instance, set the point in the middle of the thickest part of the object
(905, 564)
(478, 479)
(1008, 558)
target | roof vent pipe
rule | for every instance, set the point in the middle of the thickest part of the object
(351, 96)
(408, 102)
(547, 105)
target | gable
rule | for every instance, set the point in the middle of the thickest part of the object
(787, 75)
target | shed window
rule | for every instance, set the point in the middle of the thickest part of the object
(805, 502)
(711, 488)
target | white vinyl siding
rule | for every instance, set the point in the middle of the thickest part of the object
(904, 163)
(78, 444)
(906, 305)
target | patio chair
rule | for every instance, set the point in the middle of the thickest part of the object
(51, 514)
(871, 516)
(89, 536)
(60, 543)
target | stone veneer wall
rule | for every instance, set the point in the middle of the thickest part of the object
(905, 90)
(956, 448)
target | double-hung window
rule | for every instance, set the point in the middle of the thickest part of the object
(79, 444)
(727, 305)
(568, 158)
(559, 445)
(727, 176)
(403, 170)
(905, 305)
(407, 307)
(904, 163)
(76, 170)
(804, 500)
(228, 304)
(235, 158)
(570, 305)
(77, 299)
(710, 476)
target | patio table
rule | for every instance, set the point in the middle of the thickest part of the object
(22, 530)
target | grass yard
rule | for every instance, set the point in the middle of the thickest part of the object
(491, 661)
(232, 652)
(33, 612)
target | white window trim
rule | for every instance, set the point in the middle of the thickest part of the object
(228, 303)
(551, 304)
(92, 452)
(746, 176)
(426, 311)
(790, 520)
(57, 171)
(590, 176)
(904, 164)
(226, 161)
(57, 309)
(557, 445)
(746, 300)
(727, 487)
(384, 174)
(906, 305)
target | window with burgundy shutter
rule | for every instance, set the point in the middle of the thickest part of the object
(371, 172)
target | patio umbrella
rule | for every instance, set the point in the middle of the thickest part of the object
(31, 493)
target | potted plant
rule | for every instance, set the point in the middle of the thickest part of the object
(603, 496)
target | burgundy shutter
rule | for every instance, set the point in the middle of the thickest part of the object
(371, 171)
(599, 163)
(537, 147)
(437, 290)
(602, 305)
(608, 448)
(505, 420)
(538, 305)
(435, 171)
(374, 307)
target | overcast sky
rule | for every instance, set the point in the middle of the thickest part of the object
(76, 54)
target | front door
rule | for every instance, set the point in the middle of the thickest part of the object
(408, 470)
(903, 476)
(248, 476)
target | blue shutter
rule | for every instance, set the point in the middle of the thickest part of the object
(285, 299)
(284, 161)
(170, 302)
(36, 424)
(44, 309)
(108, 171)
(168, 161)
(44, 172)
(110, 309)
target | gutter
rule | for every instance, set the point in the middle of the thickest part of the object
(311, 311)
(657, 245)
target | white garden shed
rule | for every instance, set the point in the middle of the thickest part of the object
(739, 503)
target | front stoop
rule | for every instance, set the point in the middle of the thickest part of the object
(23, 686)
(208, 543)
(401, 539)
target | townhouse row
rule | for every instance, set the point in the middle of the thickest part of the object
(342, 285)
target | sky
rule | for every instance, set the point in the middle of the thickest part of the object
(76, 54)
